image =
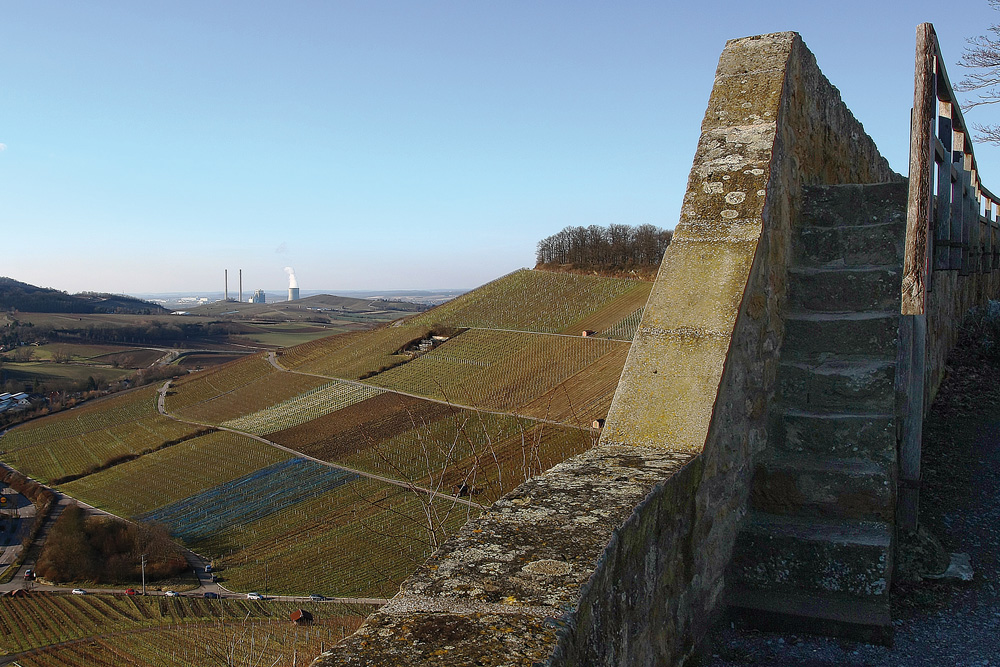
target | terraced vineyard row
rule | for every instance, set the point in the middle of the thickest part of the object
(69, 444)
(625, 329)
(489, 454)
(247, 498)
(216, 381)
(160, 478)
(352, 356)
(528, 300)
(584, 397)
(360, 540)
(495, 370)
(612, 316)
(91, 416)
(128, 624)
(258, 394)
(303, 408)
(423, 443)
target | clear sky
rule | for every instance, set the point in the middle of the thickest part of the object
(377, 145)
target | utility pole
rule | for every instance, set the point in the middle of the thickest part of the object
(144, 574)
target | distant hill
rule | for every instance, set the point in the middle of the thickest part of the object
(15, 295)
(307, 308)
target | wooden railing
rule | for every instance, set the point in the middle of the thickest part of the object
(951, 225)
(951, 217)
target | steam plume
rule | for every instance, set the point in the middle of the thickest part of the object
(292, 282)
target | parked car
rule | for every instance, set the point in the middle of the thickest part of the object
(316, 597)
(211, 595)
(254, 596)
(131, 591)
(79, 591)
(172, 594)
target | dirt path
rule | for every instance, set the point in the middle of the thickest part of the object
(161, 406)
(936, 623)
(273, 359)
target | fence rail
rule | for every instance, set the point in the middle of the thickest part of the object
(951, 225)
(951, 217)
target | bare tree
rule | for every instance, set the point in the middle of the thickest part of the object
(982, 59)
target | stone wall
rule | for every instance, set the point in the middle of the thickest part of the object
(618, 556)
(949, 299)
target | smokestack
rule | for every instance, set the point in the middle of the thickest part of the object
(226, 292)
(241, 285)
(293, 284)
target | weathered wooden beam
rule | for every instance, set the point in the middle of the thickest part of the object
(915, 260)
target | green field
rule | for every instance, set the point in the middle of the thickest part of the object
(47, 373)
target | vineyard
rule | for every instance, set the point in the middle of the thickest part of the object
(245, 499)
(526, 300)
(584, 397)
(120, 630)
(174, 473)
(360, 540)
(506, 396)
(496, 370)
(625, 329)
(216, 381)
(613, 316)
(352, 356)
(75, 441)
(303, 408)
(341, 434)
(259, 393)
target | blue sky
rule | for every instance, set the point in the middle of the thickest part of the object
(380, 145)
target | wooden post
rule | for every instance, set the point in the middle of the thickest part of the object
(911, 359)
(915, 260)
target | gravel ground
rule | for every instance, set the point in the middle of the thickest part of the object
(936, 622)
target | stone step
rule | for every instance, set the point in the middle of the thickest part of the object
(816, 613)
(871, 436)
(838, 385)
(862, 334)
(796, 554)
(824, 487)
(845, 289)
(853, 205)
(856, 245)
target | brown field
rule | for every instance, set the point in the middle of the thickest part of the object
(496, 370)
(133, 358)
(199, 360)
(614, 312)
(363, 425)
(584, 397)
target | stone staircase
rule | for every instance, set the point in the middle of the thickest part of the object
(816, 548)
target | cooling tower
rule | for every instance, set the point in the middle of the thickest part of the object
(293, 293)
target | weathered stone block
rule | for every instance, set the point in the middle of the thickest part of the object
(854, 386)
(807, 555)
(845, 289)
(869, 436)
(870, 335)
